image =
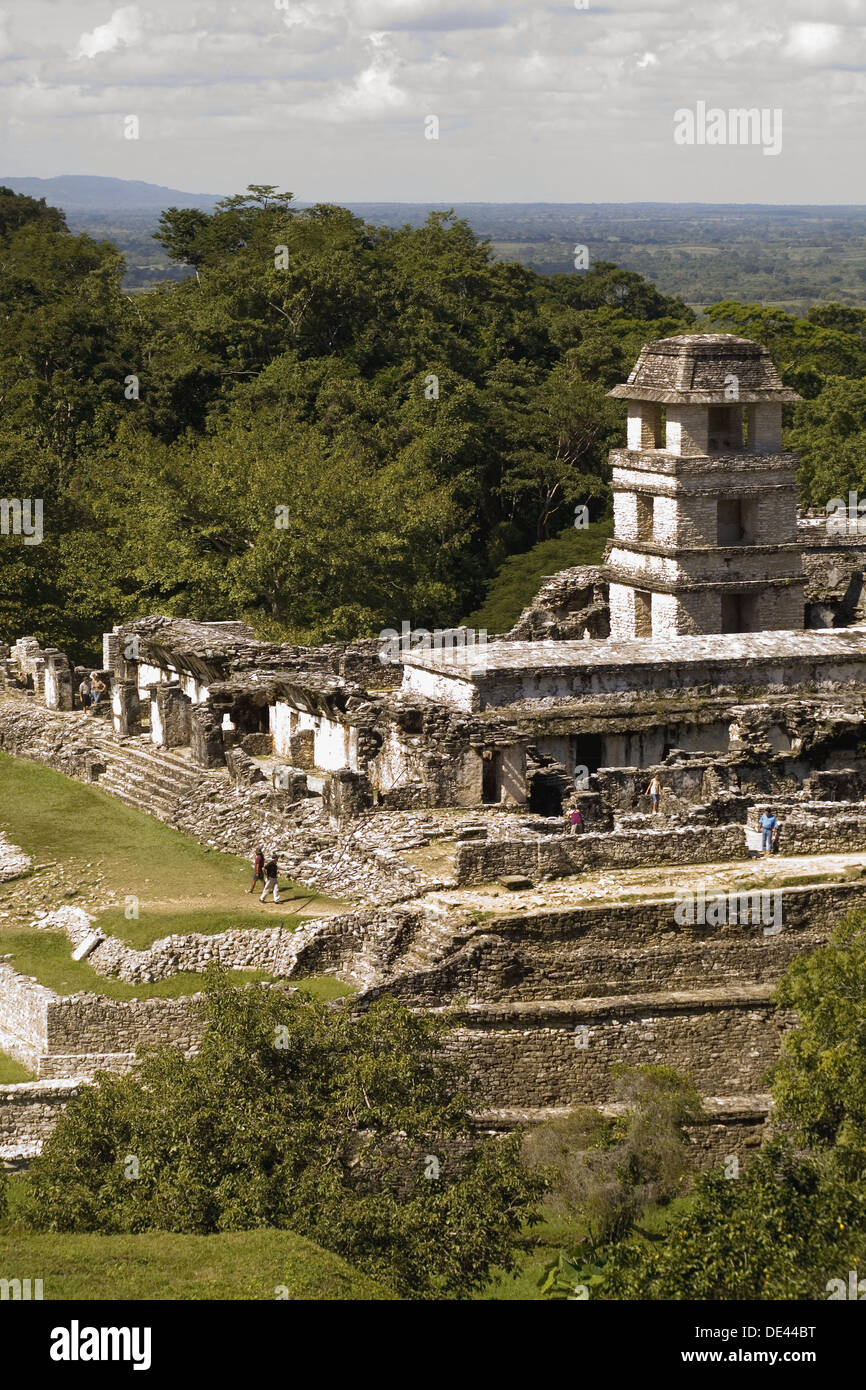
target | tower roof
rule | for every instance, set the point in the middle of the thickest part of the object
(696, 369)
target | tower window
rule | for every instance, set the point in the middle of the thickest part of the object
(724, 429)
(643, 614)
(737, 518)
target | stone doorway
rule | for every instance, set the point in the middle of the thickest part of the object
(738, 613)
(491, 777)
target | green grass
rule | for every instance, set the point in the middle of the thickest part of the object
(520, 577)
(12, 1071)
(182, 887)
(324, 987)
(541, 1246)
(156, 1265)
(48, 956)
(159, 1265)
(149, 926)
(52, 817)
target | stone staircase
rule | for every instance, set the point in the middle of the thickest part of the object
(150, 779)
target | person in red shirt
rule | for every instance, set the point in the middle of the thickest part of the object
(258, 871)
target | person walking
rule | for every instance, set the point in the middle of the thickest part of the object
(258, 871)
(768, 824)
(271, 885)
(575, 822)
(654, 791)
(84, 694)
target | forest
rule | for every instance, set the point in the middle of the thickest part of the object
(329, 426)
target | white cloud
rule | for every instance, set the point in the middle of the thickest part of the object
(536, 98)
(816, 41)
(123, 28)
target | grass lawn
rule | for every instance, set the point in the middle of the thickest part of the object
(52, 817)
(149, 926)
(554, 1233)
(95, 845)
(155, 1265)
(11, 1071)
(48, 956)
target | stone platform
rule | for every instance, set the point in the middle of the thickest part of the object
(742, 664)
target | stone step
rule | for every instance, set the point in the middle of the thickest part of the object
(158, 781)
(158, 761)
(139, 784)
(142, 797)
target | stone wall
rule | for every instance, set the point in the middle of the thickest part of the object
(74, 1035)
(481, 862)
(24, 1006)
(561, 1053)
(28, 1113)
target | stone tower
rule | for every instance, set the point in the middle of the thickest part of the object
(705, 502)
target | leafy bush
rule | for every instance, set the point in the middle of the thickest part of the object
(348, 1131)
(606, 1170)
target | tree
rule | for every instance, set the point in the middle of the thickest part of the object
(607, 1170)
(819, 1082)
(784, 1229)
(796, 1219)
(347, 1130)
(17, 209)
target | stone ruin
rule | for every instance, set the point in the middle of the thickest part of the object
(718, 648)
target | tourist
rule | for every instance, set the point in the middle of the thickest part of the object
(258, 871)
(271, 872)
(654, 791)
(575, 822)
(768, 824)
(97, 689)
(84, 694)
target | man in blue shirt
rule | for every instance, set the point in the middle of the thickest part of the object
(768, 824)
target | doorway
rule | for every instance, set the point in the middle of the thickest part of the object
(491, 777)
(738, 613)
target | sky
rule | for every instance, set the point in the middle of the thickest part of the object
(535, 101)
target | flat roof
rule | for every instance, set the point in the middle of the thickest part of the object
(481, 662)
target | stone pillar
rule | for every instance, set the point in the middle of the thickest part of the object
(112, 654)
(302, 748)
(765, 427)
(37, 674)
(58, 680)
(687, 431)
(173, 713)
(346, 795)
(206, 737)
(125, 708)
(155, 714)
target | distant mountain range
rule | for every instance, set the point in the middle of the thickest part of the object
(89, 193)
